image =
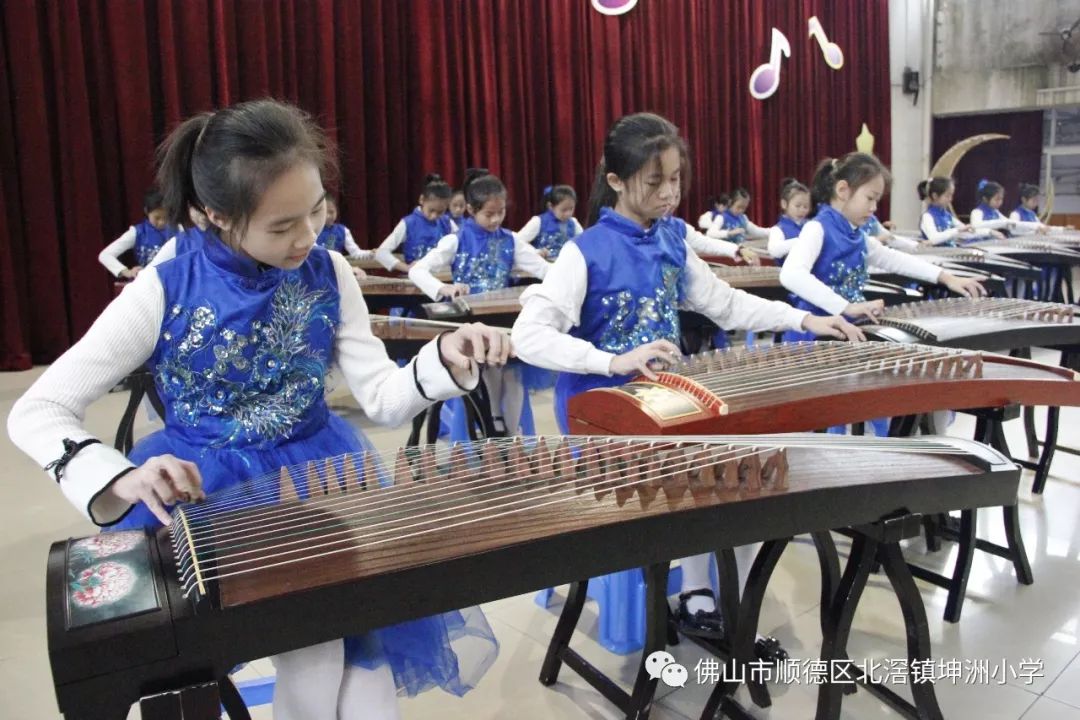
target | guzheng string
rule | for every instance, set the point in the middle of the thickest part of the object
(999, 308)
(524, 500)
(799, 364)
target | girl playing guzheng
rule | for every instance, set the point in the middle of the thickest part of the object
(482, 256)
(609, 307)
(826, 267)
(239, 338)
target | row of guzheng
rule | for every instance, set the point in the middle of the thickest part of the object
(977, 259)
(764, 281)
(995, 324)
(338, 547)
(807, 386)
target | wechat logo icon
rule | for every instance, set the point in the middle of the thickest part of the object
(661, 666)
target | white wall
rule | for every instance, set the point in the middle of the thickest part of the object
(909, 22)
(991, 57)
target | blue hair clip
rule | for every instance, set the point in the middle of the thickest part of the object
(547, 190)
(983, 183)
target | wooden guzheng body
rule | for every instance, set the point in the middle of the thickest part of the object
(764, 281)
(496, 307)
(806, 386)
(354, 543)
(980, 323)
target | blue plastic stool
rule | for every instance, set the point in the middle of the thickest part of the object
(621, 597)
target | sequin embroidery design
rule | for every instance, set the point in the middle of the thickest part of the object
(631, 321)
(488, 269)
(257, 383)
(848, 281)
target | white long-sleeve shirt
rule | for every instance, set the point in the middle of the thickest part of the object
(978, 221)
(798, 277)
(779, 246)
(531, 230)
(352, 249)
(384, 255)
(124, 337)
(938, 237)
(1026, 227)
(526, 259)
(110, 256)
(717, 230)
(552, 308)
(707, 246)
(705, 221)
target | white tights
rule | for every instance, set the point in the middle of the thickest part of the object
(314, 683)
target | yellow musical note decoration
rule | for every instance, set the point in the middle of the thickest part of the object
(864, 142)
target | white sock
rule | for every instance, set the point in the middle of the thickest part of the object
(308, 682)
(368, 694)
(695, 576)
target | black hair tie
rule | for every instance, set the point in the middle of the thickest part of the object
(71, 449)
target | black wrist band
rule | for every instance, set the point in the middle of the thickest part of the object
(71, 449)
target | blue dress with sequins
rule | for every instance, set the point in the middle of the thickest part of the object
(484, 261)
(148, 240)
(636, 282)
(841, 265)
(332, 237)
(240, 365)
(732, 221)
(422, 235)
(943, 220)
(554, 234)
(1026, 215)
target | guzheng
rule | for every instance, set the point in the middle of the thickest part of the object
(977, 259)
(496, 307)
(764, 282)
(404, 336)
(1031, 249)
(349, 544)
(980, 323)
(806, 386)
(383, 293)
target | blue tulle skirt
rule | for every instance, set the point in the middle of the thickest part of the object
(452, 650)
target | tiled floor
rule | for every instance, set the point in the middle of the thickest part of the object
(1002, 622)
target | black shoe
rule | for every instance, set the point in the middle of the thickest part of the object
(702, 624)
(768, 649)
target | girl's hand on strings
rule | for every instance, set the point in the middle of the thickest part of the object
(475, 343)
(160, 482)
(833, 326)
(872, 310)
(658, 355)
(453, 290)
(968, 287)
(748, 256)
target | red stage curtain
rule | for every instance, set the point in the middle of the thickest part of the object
(526, 88)
(1009, 162)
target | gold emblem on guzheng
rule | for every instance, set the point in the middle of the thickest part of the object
(663, 402)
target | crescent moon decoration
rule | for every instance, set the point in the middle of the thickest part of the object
(613, 7)
(946, 164)
(949, 159)
(1049, 209)
(864, 142)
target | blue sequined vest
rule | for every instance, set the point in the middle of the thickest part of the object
(421, 235)
(243, 351)
(554, 234)
(332, 237)
(148, 240)
(484, 259)
(192, 239)
(1026, 215)
(943, 219)
(842, 262)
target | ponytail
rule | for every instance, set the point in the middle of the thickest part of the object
(174, 175)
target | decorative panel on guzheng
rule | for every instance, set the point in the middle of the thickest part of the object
(808, 386)
(980, 323)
